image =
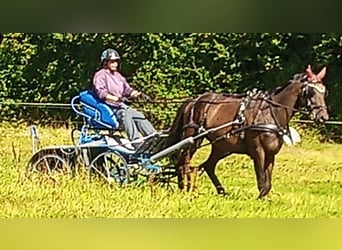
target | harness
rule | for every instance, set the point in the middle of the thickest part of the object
(256, 101)
(192, 124)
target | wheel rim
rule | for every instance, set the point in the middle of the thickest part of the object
(111, 166)
(165, 179)
(50, 165)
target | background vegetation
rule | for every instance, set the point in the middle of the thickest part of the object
(54, 67)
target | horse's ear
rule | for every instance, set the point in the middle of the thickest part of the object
(309, 71)
(322, 73)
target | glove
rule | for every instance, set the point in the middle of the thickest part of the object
(146, 98)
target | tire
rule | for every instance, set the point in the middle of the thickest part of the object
(50, 165)
(111, 166)
(165, 179)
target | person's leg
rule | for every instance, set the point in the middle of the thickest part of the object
(143, 125)
(125, 117)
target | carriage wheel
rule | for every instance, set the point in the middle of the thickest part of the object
(50, 165)
(111, 166)
(165, 179)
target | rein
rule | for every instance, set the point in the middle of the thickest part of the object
(270, 101)
(318, 88)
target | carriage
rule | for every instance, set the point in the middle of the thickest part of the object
(100, 146)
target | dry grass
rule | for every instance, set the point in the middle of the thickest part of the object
(307, 183)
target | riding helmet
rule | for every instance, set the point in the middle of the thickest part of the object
(110, 54)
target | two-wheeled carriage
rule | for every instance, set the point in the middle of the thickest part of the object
(100, 146)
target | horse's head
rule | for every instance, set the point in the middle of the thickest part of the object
(314, 94)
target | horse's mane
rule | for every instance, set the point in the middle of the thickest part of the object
(295, 78)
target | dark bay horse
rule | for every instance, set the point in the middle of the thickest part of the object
(251, 124)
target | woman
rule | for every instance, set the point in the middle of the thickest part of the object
(110, 86)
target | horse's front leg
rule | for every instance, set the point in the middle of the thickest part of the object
(264, 185)
(268, 168)
(209, 166)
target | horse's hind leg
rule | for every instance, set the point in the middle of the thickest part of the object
(187, 171)
(193, 179)
(180, 172)
(185, 180)
(190, 173)
(210, 165)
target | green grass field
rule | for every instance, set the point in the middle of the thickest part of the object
(307, 183)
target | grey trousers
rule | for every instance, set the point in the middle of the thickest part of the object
(134, 122)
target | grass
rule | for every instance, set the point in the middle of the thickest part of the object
(307, 183)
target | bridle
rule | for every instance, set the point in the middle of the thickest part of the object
(316, 86)
(308, 90)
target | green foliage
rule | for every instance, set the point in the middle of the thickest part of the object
(54, 67)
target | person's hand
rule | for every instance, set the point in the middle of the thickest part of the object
(135, 94)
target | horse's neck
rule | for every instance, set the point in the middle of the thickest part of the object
(288, 98)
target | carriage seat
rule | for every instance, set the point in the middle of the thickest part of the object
(99, 114)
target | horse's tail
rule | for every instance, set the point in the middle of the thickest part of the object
(176, 130)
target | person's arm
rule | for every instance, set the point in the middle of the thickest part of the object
(100, 86)
(112, 98)
(128, 90)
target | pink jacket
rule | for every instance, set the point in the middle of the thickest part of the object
(105, 83)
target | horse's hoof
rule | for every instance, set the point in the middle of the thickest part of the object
(261, 195)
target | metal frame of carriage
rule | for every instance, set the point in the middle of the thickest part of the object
(101, 147)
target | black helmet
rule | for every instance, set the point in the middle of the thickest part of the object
(109, 54)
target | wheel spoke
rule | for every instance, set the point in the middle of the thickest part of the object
(49, 165)
(111, 166)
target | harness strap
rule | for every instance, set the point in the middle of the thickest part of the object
(207, 105)
(256, 111)
(191, 123)
(267, 128)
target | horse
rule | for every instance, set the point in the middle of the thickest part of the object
(253, 124)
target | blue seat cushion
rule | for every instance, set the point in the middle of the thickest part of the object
(101, 114)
